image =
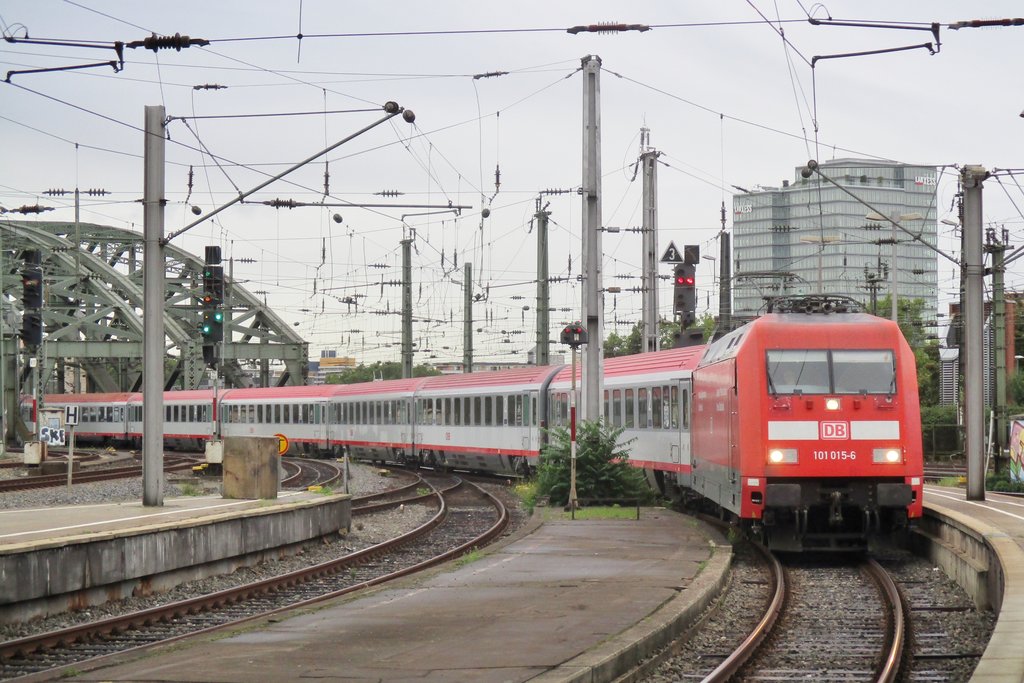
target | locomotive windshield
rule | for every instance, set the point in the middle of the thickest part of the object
(819, 371)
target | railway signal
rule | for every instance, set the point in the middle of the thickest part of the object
(574, 335)
(32, 300)
(685, 293)
(212, 321)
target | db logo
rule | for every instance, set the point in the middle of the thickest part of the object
(835, 430)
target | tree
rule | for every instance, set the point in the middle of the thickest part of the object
(923, 343)
(602, 466)
(617, 345)
(633, 343)
(379, 370)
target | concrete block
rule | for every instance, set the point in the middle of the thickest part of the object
(57, 467)
(34, 452)
(251, 467)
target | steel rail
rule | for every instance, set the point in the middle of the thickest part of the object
(890, 665)
(742, 654)
(82, 477)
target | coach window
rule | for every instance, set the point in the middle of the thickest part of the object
(287, 414)
(259, 413)
(520, 421)
(477, 412)
(641, 406)
(607, 408)
(617, 407)
(674, 406)
(628, 412)
(667, 408)
(656, 407)
(499, 410)
(457, 408)
(488, 411)
(684, 408)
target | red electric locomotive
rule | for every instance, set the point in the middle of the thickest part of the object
(806, 426)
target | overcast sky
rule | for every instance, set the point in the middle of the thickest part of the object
(727, 102)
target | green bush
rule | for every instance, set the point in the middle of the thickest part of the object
(602, 467)
(939, 431)
(1001, 482)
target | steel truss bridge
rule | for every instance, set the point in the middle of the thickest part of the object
(93, 317)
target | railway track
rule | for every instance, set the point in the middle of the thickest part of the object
(171, 464)
(949, 635)
(301, 473)
(836, 616)
(822, 619)
(466, 517)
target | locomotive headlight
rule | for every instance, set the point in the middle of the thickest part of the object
(831, 404)
(887, 455)
(781, 455)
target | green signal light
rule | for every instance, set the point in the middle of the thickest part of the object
(218, 316)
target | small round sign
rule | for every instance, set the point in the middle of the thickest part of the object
(282, 444)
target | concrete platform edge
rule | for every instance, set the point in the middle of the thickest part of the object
(1001, 661)
(620, 653)
(50, 578)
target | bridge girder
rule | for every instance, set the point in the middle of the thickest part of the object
(93, 311)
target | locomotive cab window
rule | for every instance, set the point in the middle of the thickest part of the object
(838, 371)
(793, 371)
(863, 372)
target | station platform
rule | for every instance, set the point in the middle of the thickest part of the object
(997, 524)
(55, 557)
(566, 600)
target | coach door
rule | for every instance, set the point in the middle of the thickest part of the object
(680, 402)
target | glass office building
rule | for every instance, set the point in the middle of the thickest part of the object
(810, 236)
